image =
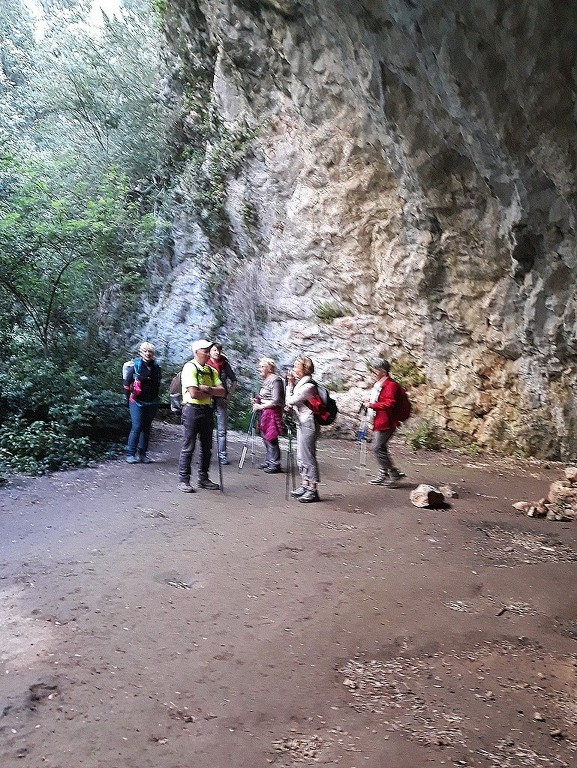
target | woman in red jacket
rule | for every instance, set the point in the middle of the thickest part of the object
(382, 400)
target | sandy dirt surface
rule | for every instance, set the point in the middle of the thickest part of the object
(141, 627)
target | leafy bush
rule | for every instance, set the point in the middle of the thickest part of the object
(240, 413)
(55, 416)
(327, 311)
(426, 436)
(407, 373)
(39, 447)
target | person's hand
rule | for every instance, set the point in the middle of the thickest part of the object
(291, 378)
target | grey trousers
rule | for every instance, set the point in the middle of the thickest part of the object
(307, 435)
(381, 449)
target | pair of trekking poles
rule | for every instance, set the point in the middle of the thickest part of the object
(361, 440)
(250, 441)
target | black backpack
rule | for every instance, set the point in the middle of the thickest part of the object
(323, 406)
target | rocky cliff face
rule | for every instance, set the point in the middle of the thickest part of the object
(411, 188)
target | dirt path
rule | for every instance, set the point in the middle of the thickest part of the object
(145, 628)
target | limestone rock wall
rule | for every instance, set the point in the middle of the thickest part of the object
(413, 187)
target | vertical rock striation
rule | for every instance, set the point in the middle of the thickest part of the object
(412, 186)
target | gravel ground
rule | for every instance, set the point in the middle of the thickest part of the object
(141, 627)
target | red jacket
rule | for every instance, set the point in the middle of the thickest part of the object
(385, 406)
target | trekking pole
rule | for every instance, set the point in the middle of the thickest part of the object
(253, 441)
(290, 464)
(218, 457)
(248, 435)
(362, 441)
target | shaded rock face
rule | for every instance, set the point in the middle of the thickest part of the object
(413, 185)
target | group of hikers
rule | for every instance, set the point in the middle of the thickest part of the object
(207, 383)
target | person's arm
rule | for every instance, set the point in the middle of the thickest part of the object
(128, 380)
(302, 396)
(231, 376)
(216, 389)
(387, 397)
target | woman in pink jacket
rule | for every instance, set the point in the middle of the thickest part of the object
(269, 403)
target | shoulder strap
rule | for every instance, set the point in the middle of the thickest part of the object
(137, 365)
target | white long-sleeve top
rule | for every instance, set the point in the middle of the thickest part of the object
(303, 390)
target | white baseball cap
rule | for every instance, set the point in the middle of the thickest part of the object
(201, 344)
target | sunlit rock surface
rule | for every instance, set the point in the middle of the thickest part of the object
(413, 180)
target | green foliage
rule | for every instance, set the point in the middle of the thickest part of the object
(471, 449)
(57, 417)
(240, 411)
(425, 436)
(60, 249)
(209, 164)
(96, 92)
(407, 373)
(39, 447)
(328, 311)
(160, 7)
(336, 385)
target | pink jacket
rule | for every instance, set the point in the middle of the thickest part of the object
(271, 425)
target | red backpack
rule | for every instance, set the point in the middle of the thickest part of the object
(323, 406)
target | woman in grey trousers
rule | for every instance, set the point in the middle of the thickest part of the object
(300, 389)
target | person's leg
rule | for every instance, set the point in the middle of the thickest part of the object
(267, 454)
(272, 461)
(387, 470)
(205, 427)
(310, 432)
(135, 411)
(275, 458)
(188, 443)
(148, 414)
(304, 486)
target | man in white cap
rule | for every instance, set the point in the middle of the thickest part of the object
(200, 383)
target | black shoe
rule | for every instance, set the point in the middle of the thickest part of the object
(208, 484)
(224, 461)
(272, 470)
(264, 465)
(309, 496)
(299, 491)
(185, 487)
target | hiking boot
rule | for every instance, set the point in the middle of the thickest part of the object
(185, 487)
(272, 470)
(309, 496)
(144, 459)
(131, 460)
(208, 484)
(299, 491)
(380, 480)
